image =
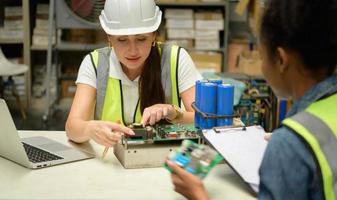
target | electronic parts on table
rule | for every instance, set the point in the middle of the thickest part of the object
(256, 104)
(177, 131)
(162, 132)
(195, 158)
(151, 144)
(253, 112)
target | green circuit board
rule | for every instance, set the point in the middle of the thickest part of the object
(164, 132)
(197, 159)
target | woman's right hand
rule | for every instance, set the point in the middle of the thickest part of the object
(106, 133)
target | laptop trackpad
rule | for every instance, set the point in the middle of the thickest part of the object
(54, 147)
(46, 144)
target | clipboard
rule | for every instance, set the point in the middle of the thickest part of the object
(243, 150)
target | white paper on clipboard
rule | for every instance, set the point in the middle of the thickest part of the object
(242, 149)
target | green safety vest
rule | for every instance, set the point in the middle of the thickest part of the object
(109, 93)
(317, 125)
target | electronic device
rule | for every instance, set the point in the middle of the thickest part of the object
(151, 144)
(33, 152)
(197, 159)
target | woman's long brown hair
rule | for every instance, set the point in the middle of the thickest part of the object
(151, 89)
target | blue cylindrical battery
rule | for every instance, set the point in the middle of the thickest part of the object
(216, 81)
(208, 92)
(225, 100)
(197, 102)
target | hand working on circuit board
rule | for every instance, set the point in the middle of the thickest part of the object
(157, 112)
(106, 133)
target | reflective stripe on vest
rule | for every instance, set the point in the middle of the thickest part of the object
(317, 125)
(109, 94)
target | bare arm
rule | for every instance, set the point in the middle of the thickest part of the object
(188, 98)
(81, 112)
(80, 126)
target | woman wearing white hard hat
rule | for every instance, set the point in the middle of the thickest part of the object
(134, 80)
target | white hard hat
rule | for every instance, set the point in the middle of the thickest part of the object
(130, 17)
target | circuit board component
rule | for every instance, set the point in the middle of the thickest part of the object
(197, 159)
(163, 132)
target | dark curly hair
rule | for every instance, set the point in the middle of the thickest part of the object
(308, 27)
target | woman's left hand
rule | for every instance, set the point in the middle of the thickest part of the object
(157, 112)
(267, 136)
(187, 184)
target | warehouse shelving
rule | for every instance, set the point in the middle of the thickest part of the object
(195, 5)
(25, 41)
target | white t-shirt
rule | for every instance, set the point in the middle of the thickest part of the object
(187, 75)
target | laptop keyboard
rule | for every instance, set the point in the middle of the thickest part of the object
(37, 155)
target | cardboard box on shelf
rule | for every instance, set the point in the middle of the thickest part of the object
(180, 33)
(207, 34)
(179, 13)
(207, 61)
(8, 34)
(11, 12)
(84, 36)
(40, 32)
(180, 23)
(214, 24)
(235, 49)
(12, 28)
(43, 23)
(212, 0)
(42, 40)
(209, 15)
(68, 88)
(201, 44)
(250, 63)
(185, 43)
(42, 9)
(13, 24)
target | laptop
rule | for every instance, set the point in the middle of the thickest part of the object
(33, 152)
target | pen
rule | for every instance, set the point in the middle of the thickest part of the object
(106, 149)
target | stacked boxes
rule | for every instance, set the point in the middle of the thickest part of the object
(200, 31)
(13, 24)
(40, 33)
(180, 27)
(207, 27)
